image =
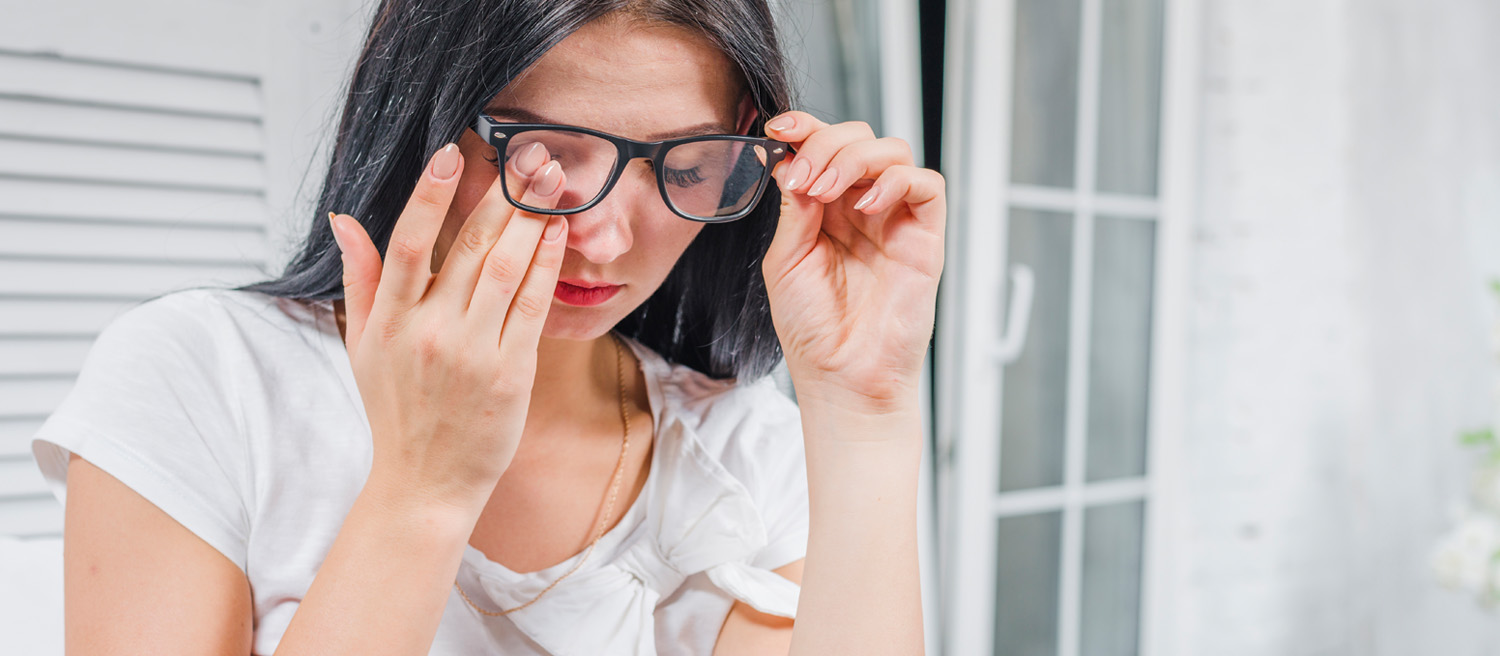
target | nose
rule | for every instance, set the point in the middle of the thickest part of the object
(602, 233)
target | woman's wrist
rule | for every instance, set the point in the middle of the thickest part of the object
(895, 409)
(451, 510)
(853, 452)
(860, 586)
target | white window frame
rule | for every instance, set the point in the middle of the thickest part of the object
(978, 112)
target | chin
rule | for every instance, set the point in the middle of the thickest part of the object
(578, 323)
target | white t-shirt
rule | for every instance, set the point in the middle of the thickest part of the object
(237, 413)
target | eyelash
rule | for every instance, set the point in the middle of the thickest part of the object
(683, 177)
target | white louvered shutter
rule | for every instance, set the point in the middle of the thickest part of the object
(134, 150)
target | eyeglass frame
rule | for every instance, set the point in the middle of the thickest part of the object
(626, 151)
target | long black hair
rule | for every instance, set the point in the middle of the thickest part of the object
(429, 66)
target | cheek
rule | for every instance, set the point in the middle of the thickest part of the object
(662, 243)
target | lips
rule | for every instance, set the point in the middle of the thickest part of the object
(584, 293)
(585, 284)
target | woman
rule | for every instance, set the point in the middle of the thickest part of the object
(342, 460)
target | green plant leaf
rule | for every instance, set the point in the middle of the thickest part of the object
(1482, 437)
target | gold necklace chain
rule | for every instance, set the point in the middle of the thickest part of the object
(609, 506)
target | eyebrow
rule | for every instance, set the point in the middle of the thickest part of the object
(526, 116)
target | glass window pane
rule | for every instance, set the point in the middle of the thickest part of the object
(1120, 346)
(1026, 585)
(1129, 96)
(1109, 617)
(1036, 385)
(1045, 110)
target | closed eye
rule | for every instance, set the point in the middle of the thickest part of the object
(682, 177)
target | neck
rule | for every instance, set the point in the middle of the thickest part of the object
(574, 375)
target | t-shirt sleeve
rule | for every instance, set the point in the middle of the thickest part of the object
(779, 483)
(151, 407)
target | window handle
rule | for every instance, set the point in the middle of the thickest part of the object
(1018, 318)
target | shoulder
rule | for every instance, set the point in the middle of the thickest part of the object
(179, 323)
(195, 308)
(210, 338)
(207, 319)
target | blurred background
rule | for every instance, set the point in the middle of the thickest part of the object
(1216, 313)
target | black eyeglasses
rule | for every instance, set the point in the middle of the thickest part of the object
(713, 178)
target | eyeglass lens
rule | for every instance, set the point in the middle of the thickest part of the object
(704, 179)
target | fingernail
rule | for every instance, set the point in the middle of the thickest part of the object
(824, 182)
(554, 229)
(530, 160)
(781, 123)
(800, 170)
(338, 238)
(445, 163)
(549, 179)
(868, 198)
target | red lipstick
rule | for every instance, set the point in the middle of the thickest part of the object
(584, 293)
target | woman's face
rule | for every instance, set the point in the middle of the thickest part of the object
(644, 82)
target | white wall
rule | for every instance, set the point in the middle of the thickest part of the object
(1350, 214)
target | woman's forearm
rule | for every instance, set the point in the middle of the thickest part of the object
(861, 588)
(385, 581)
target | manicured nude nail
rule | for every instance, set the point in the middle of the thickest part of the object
(338, 238)
(531, 159)
(800, 171)
(445, 162)
(824, 183)
(549, 179)
(868, 198)
(781, 124)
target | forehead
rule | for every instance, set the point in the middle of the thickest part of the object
(637, 80)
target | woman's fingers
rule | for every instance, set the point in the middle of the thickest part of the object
(793, 127)
(361, 274)
(505, 267)
(907, 208)
(483, 227)
(921, 189)
(817, 150)
(797, 228)
(528, 312)
(860, 160)
(408, 256)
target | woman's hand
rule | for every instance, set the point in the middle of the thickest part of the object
(852, 272)
(445, 362)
